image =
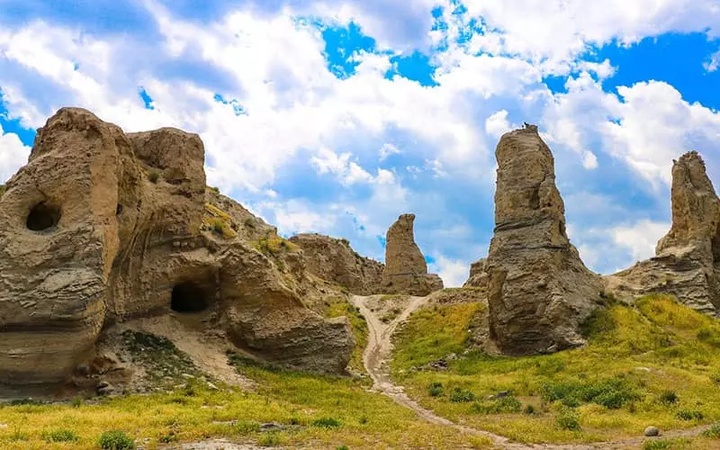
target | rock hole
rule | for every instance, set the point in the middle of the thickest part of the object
(118, 209)
(190, 297)
(43, 217)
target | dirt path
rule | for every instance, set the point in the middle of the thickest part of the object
(377, 356)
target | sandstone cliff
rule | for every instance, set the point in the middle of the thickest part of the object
(405, 267)
(102, 226)
(539, 291)
(334, 260)
(687, 261)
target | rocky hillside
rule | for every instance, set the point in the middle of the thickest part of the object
(102, 227)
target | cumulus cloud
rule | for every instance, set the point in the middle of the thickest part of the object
(640, 238)
(13, 154)
(253, 80)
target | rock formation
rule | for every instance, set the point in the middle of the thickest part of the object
(102, 226)
(405, 267)
(539, 291)
(687, 261)
(334, 260)
(478, 274)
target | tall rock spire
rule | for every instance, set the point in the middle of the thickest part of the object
(538, 288)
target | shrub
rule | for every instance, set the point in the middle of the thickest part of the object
(326, 422)
(60, 436)
(689, 415)
(529, 410)
(459, 395)
(668, 398)
(116, 440)
(713, 431)
(612, 393)
(2, 189)
(271, 439)
(435, 389)
(342, 447)
(656, 445)
(568, 419)
(154, 176)
(508, 404)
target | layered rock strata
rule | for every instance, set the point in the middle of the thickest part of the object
(538, 289)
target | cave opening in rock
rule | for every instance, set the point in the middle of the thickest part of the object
(43, 217)
(190, 297)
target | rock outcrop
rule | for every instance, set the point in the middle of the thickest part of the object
(539, 291)
(405, 267)
(478, 274)
(334, 260)
(687, 261)
(101, 227)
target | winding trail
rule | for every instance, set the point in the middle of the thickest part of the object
(377, 356)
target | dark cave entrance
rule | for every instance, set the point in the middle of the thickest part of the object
(43, 217)
(190, 297)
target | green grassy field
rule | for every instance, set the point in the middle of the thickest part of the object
(657, 363)
(316, 412)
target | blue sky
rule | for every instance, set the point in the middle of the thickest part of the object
(338, 116)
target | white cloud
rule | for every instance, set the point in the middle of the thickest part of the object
(388, 149)
(453, 272)
(553, 32)
(640, 238)
(13, 154)
(497, 124)
(713, 62)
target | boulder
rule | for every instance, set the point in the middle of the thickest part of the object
(102, 227)
(687, 259)
(405, 267)
(538, 289)
(334, 260)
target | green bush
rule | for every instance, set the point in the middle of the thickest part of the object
(154, 176)
(612, 393)
(568, 419)
(459, 395)
(116, 440)
(685, 414)
(529, 410)
(60, 436)
(326, 422)
(435, 389)
(668, 398)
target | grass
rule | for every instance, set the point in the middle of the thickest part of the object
(653, 364)
(337, 307)
(218, 221)
(274, 245)
(313, 411)
(3, 188)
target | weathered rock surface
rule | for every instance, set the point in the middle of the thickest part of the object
(405, 267)
(478, 274)
(687, 261)
(539, 291)
(334, 260)
(102, 226)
